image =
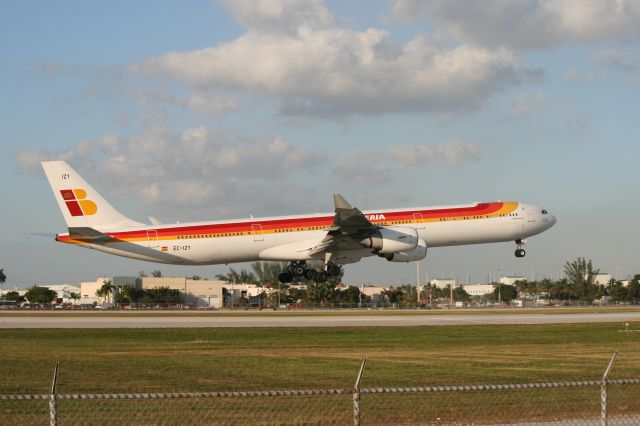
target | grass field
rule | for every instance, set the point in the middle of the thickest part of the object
(172, 360)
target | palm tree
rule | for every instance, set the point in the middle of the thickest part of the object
(3, 277)
(106, 290)
(234, 276)
(581, 275)
(74, 296)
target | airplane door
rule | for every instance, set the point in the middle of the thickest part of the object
(256, 229)
(152, 238)
(417, 217)
(531, 218)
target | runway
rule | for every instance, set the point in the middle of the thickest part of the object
(257, 320)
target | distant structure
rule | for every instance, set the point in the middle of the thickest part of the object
(88, 290)
(64, 292)
(443, 282)
(601, 278)
(205, 293)
(478, 289)
(511, 280)
(372, 291)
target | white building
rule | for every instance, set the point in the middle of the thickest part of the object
(511, 280)
(88, 291)
(478, 289)
(65, 292)
(372, 291)
(443, 282)
(601, 279)
(203, 293)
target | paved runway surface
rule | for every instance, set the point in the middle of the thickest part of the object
(187, 321)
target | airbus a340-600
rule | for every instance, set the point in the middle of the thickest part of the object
(332, 239)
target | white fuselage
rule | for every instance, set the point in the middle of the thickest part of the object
(290, 238)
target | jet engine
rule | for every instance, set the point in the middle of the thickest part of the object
(415, 254)
(392, 239)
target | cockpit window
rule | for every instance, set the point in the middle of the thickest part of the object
(545, 212)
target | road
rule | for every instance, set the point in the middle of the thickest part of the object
(192, 321)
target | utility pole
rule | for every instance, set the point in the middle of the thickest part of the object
(451, 296)
(233, 280)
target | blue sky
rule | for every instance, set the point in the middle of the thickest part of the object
(215, 110)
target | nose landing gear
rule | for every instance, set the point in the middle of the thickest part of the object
(520, 252)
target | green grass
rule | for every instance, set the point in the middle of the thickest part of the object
(220, 359)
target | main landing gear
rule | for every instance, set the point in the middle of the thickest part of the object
(299, 269)
(520, 252)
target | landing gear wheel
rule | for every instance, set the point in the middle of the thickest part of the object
(321, 277)
(298, 270)
(311, 274)
(285, 277)
(520, 253)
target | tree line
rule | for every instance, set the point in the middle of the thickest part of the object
(129, 294)
(578, 285)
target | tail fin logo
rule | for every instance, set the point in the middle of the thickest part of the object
(77, 204)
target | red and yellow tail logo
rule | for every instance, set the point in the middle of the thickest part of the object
(76, 203)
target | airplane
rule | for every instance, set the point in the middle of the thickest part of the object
(334, 239)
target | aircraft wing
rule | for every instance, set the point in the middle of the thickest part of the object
(348, 225)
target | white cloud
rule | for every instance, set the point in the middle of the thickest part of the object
(375, 166)
(451, 152)
(615, 58)
(194, 169)
(336, 72)
(200, 102)
(364, 167)
(280, 15)
(526, 24)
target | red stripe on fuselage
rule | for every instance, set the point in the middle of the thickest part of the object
(305, 223)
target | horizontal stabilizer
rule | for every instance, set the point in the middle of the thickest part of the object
(86, 233)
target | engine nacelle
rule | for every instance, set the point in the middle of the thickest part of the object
(418, 253)
(392, 239)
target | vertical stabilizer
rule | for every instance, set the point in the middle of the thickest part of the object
(81, 205)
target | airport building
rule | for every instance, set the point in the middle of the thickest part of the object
(601, 279)
(372, 291)
(88, 290)
(478, 289)
(443, 282)
(511, 280)
(202, 293)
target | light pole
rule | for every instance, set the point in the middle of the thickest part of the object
(418, 282)
(233, 280)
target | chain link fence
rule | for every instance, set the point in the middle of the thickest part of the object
(600, 402)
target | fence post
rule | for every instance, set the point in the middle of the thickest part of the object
(603, 391)
(356, 395)
(53, 406)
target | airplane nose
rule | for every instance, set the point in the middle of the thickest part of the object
(553, 220)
